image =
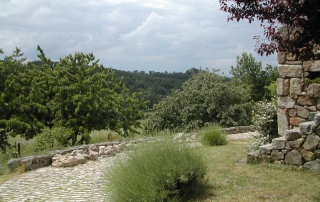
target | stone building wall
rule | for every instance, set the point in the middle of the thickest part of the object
(298, 102)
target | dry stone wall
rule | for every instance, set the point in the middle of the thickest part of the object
(298, 102)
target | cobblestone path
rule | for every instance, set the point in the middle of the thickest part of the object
(80, 183)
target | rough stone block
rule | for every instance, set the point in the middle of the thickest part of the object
(292, 112)
(312, 108)
(277, 155)
(313, 166)
(292, 134)
(279, 143)
(296, 144)
(302, 112)
(13, 164)
(304, 100)
(283, 122)
(317, 119)
(311, 66)
(293, 71)
(295, 121)
(285, 102)
(26, 161)
(265, 149)
(291, 57)
(281, 57)
(293, 158)
(306, 128)
(252, 157)
(295, 87)
(307, 155)
(283, 86)
(311, 142)
(315, 89)
(311, 116)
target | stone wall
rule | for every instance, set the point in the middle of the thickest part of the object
(297, 101)
(300, 147)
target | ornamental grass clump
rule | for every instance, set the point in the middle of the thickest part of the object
(162, 170)
(213, 135)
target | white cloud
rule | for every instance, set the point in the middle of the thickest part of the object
(172, 35)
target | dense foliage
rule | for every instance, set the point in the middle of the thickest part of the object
(205, 98)
(76, 93)
(300, 20)
(162, 170)
(154, 86)
(250, 72)
(213, 135)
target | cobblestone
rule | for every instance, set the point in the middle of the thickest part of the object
(84, 182)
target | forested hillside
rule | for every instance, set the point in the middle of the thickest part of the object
(154, 86)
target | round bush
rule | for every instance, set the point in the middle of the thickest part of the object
(156, 171)
(213, 135)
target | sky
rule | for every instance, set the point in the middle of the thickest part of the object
(143, 35)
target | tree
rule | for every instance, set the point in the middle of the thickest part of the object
(250, 72)
(205, 98)
(300, 21)
(76, 93)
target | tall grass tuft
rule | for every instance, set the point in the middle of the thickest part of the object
(156, 171)
(213, 135)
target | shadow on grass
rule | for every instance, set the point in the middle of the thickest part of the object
(201, 192)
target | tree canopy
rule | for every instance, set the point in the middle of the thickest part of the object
(77, 93)
(205, 98)
(250, 72)
(300, 21)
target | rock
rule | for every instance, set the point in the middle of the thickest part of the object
(109, 151)
(306, 128)
(77, 152)
(279, 143)
(317, 153)
(285, 102)
(311, 66)
(265, 149)
(283, 123)
(252, 157)
(293, 134)
(101, 150)
(317, 119)
(312, 115)
(277, 155)
(302, 112)
(302, 100)
(93, 155)
(313, 166)
(292, 112)
(311, 142)
(93, 148)
(307, 155)
(315, 89)
(13, 164)
(295, 121)
(283, 86)
(296, 144)
(293, 158)
(293, 71)
(295, 87)
(26, 162)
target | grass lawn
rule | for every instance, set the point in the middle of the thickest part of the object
(232, 179)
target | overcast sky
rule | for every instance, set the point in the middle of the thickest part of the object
(144, 35)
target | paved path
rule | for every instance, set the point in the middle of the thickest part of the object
(84, 182)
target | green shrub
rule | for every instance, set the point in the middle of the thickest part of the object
(213, 135)
(156, 171)
(52, 136)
